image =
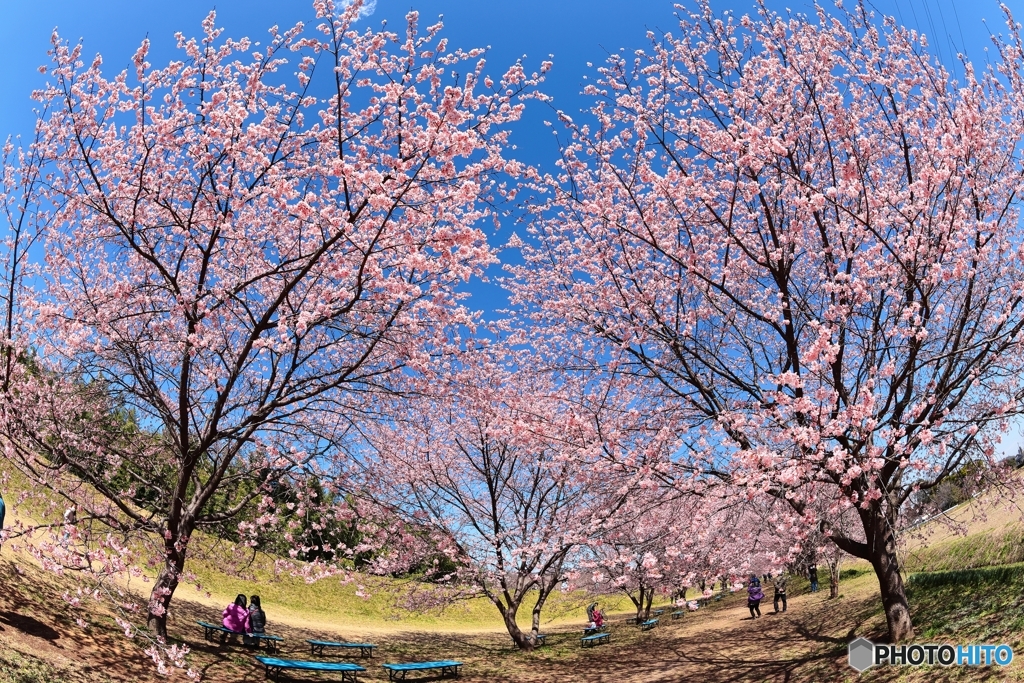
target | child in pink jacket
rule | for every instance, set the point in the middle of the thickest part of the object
(236, 617)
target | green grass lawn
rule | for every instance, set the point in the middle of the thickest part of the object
(966, 589)
(383, 601)
(987, 548)
(972, 606)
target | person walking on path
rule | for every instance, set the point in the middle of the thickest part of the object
(780, 592)
(812, 574)
(754, 597)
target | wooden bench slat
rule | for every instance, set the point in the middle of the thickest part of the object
(309, 666)
(418, 666)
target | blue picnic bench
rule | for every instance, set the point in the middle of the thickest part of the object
(592, 631)
(398, 671)
(648, 625)
(316, 647)
(210, 630)
(657, 612)
(596, 639)
(678, 613)
(273, 667)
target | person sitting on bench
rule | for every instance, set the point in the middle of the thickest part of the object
(596, 622)
(236, 618)
(257, 621)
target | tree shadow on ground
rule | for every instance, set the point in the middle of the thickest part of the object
(29, 625)
(37, 622)
(718, 645)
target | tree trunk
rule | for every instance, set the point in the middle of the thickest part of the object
(643, 604)
(163, 589)
(535, 620)
(637, 602)
(833, 579)
(894, 595)
(508, 615)
(544, 590)
(880, 551)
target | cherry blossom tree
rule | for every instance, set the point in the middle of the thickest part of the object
(741, 536)
(494, 461)
(826, 512)
(804, 234)
(646, 548)
(242, 246)
(19, 192)
(667, 542)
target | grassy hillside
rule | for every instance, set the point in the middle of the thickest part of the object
(40, 643)
(983, 532)
(332, 601)
(956, 596)
(336, 601)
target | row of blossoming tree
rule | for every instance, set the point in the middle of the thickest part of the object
(803, 234)
(235, 256)
(773, 285)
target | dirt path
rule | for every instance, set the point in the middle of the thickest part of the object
(717, 645)
(720, 644)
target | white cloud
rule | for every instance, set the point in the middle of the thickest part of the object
(366, 10)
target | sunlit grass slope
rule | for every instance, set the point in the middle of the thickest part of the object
(381, 605)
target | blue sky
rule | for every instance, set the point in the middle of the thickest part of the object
(574, 31)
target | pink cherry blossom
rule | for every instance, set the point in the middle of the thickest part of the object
(804, 236)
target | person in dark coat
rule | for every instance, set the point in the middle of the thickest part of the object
(257, 621)
(754, 597)
(780, 591)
